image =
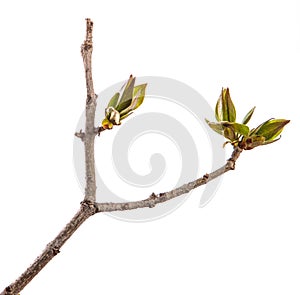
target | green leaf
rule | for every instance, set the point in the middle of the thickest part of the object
(229, 129)
(138, 98)
(127, 95)
(217, 127)
(241, 129)
(248, 116)
(120, 108)
(271, 141)
(271, 128)
(249, 143)
(139, 92)
(229, 133)
(125, 115)
(114, 100)
(225, 110)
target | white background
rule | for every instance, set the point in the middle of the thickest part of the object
(246, 241)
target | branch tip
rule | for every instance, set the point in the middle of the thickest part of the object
(89, 31)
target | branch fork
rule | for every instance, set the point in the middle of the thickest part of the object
(89, 206)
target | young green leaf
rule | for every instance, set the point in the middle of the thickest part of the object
(229, 133)
(271, 128)
(249, 143)
(248, 116)
(217, 127)
(137, 100)
(126, 97)
(225, 110)
(241, 129)
(139, 92)
(123, 116)
(230, 130)
(120, 108)
(114, 100)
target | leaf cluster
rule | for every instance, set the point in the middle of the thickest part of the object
(130, 97)
(121, 106)
(239, 134)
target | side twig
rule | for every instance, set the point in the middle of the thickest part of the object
(155, 199)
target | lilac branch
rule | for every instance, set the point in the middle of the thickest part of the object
(89, 206)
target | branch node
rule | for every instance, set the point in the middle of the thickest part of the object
(89, 205)
(8, 290)
(89, 99)
(152, 200)
(98, 130)
(153, 196)
(55, 250)
(161, 196)
(205, 177)
(230, 165)
(80, 134)
(125, 206)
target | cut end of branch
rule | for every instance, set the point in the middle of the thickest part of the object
(89, 31)
(86, 52)
(88, 42)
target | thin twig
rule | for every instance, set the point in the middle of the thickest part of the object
(91, 103)
(155, 199)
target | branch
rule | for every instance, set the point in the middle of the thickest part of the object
(155, 199)
(89, 206)
(51, 250)
(86, 210)
(91, 103)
